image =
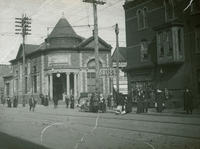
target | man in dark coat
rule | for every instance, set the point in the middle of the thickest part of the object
(188, 101)
(42, 99)
(72, 102)
(9, 102)
(67, 101)
(32, 103)
(139, 102)
(15, 102)
(46, 100)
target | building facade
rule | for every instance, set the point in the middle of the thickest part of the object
(163, 47)
(4, 70)
(64, 62)
(123, 82)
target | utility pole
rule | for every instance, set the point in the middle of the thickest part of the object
(95, 3)
(23, 28)
(117, 55)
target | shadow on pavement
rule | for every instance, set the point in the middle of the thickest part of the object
(10, 142)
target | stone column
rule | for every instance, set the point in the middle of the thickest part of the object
(75, 84)
(67, 84)
(51, 86)
(86, 89)
(46, 87)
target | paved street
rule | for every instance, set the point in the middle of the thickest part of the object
(66, 128)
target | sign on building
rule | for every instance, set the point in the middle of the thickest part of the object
(59, 58)
(109, 72)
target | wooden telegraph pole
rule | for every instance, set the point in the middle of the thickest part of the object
(23, 28)
(95, 3)
(117, 55)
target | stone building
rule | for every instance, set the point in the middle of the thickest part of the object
(4, 70)
(163, 46)
(64, 62)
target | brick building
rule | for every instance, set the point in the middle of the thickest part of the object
(64, 62)
(163, 46)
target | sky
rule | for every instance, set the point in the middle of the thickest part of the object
(46, 13)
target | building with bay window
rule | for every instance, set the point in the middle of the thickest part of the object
(163, 47)
(64, 62)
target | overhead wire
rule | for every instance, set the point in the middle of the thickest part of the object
(50, 2)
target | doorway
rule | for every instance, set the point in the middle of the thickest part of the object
(59, 85)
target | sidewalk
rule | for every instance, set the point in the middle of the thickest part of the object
(170, 112)
(165, 112)
(61, 109)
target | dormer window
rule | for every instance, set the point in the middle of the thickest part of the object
(145, 17)
(142, 18)
(144, 51)
(169, 10)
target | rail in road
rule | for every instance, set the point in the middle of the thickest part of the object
(94, 116)
(125, 119)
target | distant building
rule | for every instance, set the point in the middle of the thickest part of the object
(163, 47)
(4, 70)
(123, 83)
(64, 62)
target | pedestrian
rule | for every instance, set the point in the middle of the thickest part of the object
(55, 102)
(139, 102)
(159, 100)
(188, 101)
(9, 102)
(67, 101)
(46, 100)
(146, 105)
(72, 102)
(109, 101)
(96, 102)
(23, 101)
(42, 99)
(102, 104)
(15, 101)
(32, 103)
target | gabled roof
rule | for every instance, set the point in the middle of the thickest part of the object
(63, 29)
(89, 43)
(122, 55)
(29, 48)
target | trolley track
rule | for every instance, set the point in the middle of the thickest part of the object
(120, 118)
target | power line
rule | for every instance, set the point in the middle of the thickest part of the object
(99, 10)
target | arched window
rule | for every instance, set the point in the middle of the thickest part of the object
(145, 17)
(140, 19)
(169, 9)
(91, 64)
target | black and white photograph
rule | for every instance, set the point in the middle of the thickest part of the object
(99, 74)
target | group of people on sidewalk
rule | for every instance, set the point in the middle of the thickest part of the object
(11, 102)
(161, 97)
(69, 100)
(94, 103)
(98, 103)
